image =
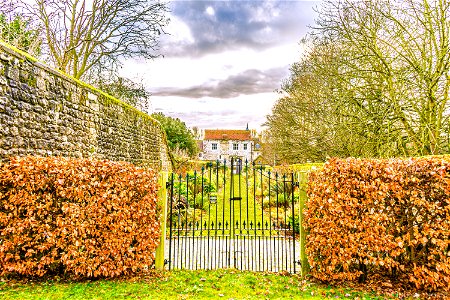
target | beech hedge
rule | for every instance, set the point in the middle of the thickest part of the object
(367, 217)
(79, 217)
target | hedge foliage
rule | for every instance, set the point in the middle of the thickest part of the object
(383, 217)
(79, 217)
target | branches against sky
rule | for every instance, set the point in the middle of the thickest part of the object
(81, 36)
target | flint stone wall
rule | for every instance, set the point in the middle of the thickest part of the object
(44, 112)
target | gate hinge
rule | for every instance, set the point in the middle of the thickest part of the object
(297, 184)
(168, 184)
(166, 262)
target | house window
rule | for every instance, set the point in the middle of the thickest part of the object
(214, 146)
(245, 146)
(235, 146)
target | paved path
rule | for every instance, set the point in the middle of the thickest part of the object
(274, 254)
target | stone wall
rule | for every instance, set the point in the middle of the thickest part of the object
(44, 112)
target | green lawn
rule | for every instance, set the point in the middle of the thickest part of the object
(219, 284)
(239, 208)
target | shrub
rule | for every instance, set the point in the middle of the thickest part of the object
(388, 217)
(191, 184)
(78, 217)
(281, 187)
(200, 203)
(295, 221)
(282, 201)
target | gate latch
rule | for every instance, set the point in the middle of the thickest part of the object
(236, 198)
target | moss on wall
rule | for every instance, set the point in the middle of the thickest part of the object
(46, 112)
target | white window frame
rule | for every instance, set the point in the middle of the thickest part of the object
(245, 147)
(214, 146)
(235, 146)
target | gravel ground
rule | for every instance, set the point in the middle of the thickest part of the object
(273, 254)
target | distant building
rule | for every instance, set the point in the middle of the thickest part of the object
(224, 144)
(260, 160)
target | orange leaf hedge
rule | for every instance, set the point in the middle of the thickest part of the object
(78, 217)
(384, 217)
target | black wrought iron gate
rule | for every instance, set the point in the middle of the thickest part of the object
(233, 215)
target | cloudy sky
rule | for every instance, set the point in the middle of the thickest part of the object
(223, 60)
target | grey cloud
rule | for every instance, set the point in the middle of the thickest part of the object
(219, 120)
(238, 24)
(246, 83)
(224, 113)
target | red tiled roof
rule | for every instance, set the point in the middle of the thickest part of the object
(223, 134)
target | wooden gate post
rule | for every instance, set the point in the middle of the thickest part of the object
(303, 196)
(162, 196)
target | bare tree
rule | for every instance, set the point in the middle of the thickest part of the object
(86, 35)
(127, 90)
(403, 47)
(375, 82)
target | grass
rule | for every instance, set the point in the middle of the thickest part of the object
(217, 284)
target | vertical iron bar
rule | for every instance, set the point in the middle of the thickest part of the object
(240, 195)
(193, 222)
(205, 249)
(224, 253)
(179, 222)
(285, 218)
(262, 217)
(217, 255)
(278, 224)
(211, 253)
(227, 252)
(246, 198)
(217, 204)
(254, 214)
(208, 257)
(201, 215)
(293, 220)
(283, 238)
(222, 249)
(244, 252)
(240, 209)
(259, 253)
(272, 237)
(274, 254)
(219, 249)
(269, 252)
(171, 223)
(224, 196)
(231, 208)
(250, 252)
(186, 244)
(241, 246)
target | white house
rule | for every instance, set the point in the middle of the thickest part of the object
(220, 144)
